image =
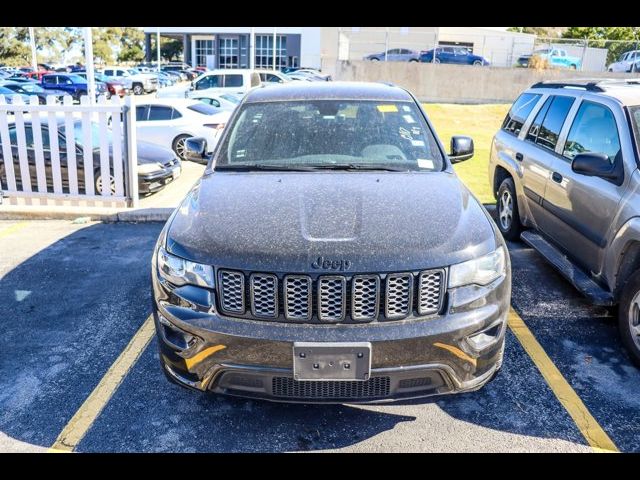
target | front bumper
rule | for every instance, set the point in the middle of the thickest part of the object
(207, 351)
(153, 182)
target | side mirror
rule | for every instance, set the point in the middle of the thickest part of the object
(192, 86)
(196, 149)
(461, 148)
(594, 164)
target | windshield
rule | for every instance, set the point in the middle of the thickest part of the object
(95, 135)
(31, 87)
(77, 79)
(204, 109)
(133, 71)
(231, 98)
(635, 120)
(331, 134)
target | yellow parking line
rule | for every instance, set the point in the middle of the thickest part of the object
(12, 229)
(81, 422)
(588, 426)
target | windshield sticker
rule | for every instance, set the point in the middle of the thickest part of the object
(415, 131)
(425, 163)
(417, 143)
(406, 108)
(240, 153)
(387, 108)
(408, 119)
(404, 133)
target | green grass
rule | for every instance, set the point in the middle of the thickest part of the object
(480, 122)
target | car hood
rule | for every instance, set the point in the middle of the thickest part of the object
(285, 222)
(150, 153)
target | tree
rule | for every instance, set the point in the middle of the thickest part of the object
(616, 40)
(131, 45)
(170, 49)
(14, 43)
(540, 31)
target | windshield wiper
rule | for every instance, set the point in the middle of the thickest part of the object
(308, 168)
(357, 166)
(264, 166)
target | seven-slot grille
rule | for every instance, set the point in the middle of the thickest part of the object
(332, 298)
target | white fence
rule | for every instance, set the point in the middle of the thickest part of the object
(66, 154)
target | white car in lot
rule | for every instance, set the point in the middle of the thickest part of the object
(625, 62)
(225, 101)
(169, 122)
(139, 82)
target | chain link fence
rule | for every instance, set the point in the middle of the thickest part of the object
(499, 49)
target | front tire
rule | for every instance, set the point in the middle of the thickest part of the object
(98, 183)
(477, 63)
(508, 215)
(437, 60)
(179, 146)
(138, 89)
(629, 317)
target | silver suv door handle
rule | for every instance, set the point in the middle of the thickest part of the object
(556, 177)
(519, 157)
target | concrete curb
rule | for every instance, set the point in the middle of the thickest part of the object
(108, 215)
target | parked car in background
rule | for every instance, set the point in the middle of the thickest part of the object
(314, 74)
(453, 55)
(33, 89)
(272, 76)
(114, 87)
(556, 57)
(72, 84)
(164, 79)
(225, 80)
(169, 122)
(157, 166)
(301, 251)
(226, 101)
(395, 55)
(139, 82)
(564, 170)
(20, 79)
(625, 62)
(37, 74)
(10, 94)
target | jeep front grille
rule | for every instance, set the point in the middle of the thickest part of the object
(331, 298)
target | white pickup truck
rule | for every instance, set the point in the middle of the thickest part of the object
(133, 79)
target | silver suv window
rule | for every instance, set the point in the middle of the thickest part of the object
(635, 121)
(519, 112)
(548, 122)
(594, 130)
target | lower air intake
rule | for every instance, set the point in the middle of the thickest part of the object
(375, 387)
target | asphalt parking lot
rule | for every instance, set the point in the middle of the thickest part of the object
(74, 295)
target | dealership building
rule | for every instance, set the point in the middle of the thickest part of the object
(321, 47)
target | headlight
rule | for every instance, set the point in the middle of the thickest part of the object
(479, 271)
(181, 272)
(149, 168)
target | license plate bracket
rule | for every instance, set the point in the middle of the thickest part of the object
(331, 361)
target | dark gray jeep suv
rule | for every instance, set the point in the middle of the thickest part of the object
(330, 253)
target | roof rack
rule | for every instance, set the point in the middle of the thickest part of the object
(589, 86)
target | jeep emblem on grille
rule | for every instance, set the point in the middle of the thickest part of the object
(322, 263)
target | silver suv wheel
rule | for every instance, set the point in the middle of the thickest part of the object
(633, 318)
(505, 209)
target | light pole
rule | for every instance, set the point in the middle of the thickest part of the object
(158, 48)
(88, 61)
(274, 47)
(32, 41)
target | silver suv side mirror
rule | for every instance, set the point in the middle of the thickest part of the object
(196, 149)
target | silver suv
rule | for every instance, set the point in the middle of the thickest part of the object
(565, 165)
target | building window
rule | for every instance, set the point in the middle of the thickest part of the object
(264, 51)
(229, 52)
(204, 49)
